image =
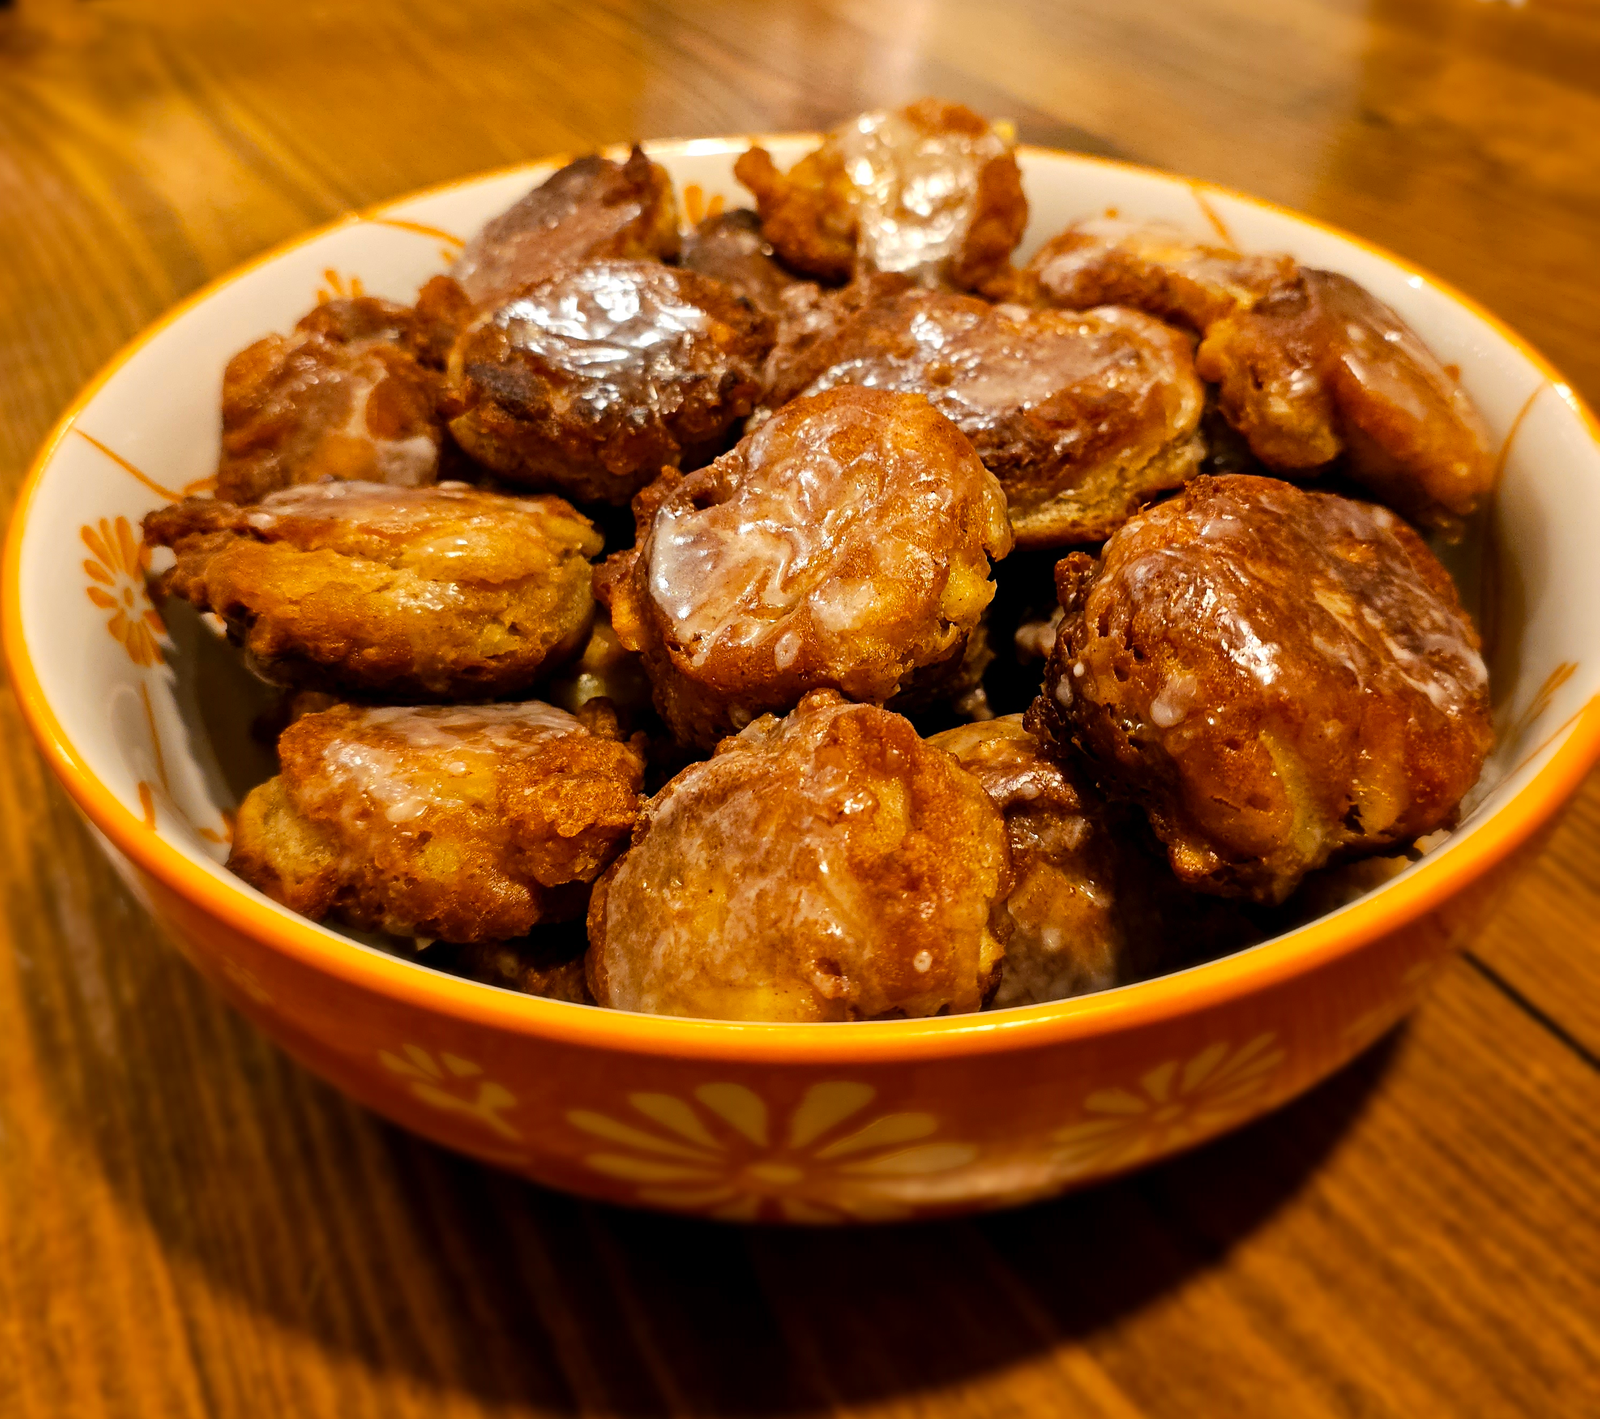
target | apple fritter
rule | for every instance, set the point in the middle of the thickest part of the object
(1321, 369)
(729, 247)
(1310, 367)
(446, 592)
(1093, 904)
(1151, 267)
(591, 209)
(1083, 417)
(1280, 678)
(845, 543)
(462, 823)
(1066, 935)
(931, 190)
(829, 865)
(592, 381)
(344, 396)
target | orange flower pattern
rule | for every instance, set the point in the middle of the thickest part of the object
(339, 287)
(696, 206)
(116, 570)
(724, 1155)
(1169, 1107)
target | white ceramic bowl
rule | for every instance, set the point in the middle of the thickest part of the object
(808, 1123)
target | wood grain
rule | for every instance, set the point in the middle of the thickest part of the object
(191, 1226)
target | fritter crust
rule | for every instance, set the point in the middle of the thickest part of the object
(829, 865)
(430, 593)
(729, 247)
(1066, 934)
(1094, 903)
(1278, 677)
(1082, 417)
(591, 209)
(461, 823)
(845, 543)
(344, 396)
(603, 669)
(547, 964)
(593, 380)
(1153, 268)
(931, 190)
(1320, 367)
(443, 310)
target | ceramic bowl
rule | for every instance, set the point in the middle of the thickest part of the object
(798, 1123)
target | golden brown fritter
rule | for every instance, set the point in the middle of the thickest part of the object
(591, 209)
(443, 310)
(1094, 904)
(1310, 365)
(729, 247)
(931, 190)
(465, 823)
(825, 866)
(1153, 268)
(1066, 933)
(1321, 368)
(417, 593)
(592, 381)
(845, 543)
(1082, 417)
(344, 396)
(1278, 677)
(548, 963)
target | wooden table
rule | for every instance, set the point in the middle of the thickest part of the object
(190, 1225)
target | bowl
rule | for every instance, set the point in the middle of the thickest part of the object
(795, 1123)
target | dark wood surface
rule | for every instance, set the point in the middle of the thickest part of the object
(190, 1225)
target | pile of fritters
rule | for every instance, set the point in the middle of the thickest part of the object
(766, 758)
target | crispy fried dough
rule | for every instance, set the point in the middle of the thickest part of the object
(344, 396)
(1083, 417)
(931, 190)
(1278, 677)
(825, 866)
(434, 593)
(845, 543)
(460, 823)
(591, 209)
(588, 383)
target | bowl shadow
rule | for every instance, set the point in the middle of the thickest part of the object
(382, 1249)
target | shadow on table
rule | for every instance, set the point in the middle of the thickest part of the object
(670, 1315)
(433, 1272)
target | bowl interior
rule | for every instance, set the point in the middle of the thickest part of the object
(157, 716)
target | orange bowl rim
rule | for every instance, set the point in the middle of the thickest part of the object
(1161, 999)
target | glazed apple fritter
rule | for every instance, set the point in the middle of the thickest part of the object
(825, 866)
(446, 592)
(844, 543)
(1092, 905)
(466, 824)
(1066, 934)
(1278, 677)
(1321, 368)
(591, 209)
(931, 190)
(344, 396)
(1153, 268)
(729, 247)
(590, 382)
(1081, 416)
(1310, 366)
